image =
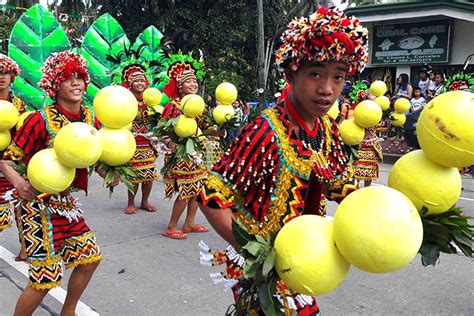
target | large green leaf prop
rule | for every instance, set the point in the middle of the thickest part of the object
(34, 37)
(152, 50)
(151, 36)
(104, 37)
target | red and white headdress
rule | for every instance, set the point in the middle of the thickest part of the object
(8, 65)
(59, 67)
(326, 35)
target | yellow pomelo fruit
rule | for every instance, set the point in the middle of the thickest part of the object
(334, 110)
(185, 126)
(226, 93)
(307, 259)
(367, 113)
(383, 102)
(398, 119)
(425, 182)
(378, 88)
(152, 96)
(22, 118)
(192, 105)
(351, 133)
(47, 174)
(8, 115)
(378, 229)
(401, 105)
(118, 146)
(115, 106)
(445, 129)
(5, 139)
(78, 145)
(223, 113)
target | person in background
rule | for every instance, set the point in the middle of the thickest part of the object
(9, 69)
(405, 89)
(424, 81)
(418, 101)
(438, 85)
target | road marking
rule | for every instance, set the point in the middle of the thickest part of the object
(58, 293)
(464, 198)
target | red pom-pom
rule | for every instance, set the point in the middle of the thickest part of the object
(345, 22)
(322, 11)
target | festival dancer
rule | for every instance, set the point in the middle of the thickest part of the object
(370, 151)
(183, 177)
(53, 228)
(9, 69)
(283, 162)
(143, 161)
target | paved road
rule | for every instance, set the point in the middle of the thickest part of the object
(143, 273)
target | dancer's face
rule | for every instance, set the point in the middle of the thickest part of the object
(138, 86)
(316, 86)
(71, 90)
(5, 80)
(190, 86)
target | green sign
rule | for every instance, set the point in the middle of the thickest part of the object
(411, 43)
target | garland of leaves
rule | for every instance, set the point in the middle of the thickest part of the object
(124, 172)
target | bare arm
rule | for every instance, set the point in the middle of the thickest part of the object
(23, 187)
(221, 221)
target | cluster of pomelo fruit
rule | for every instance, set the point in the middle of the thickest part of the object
(9, 118)
(226, 94)
(378, 229)
(367, 114)
(80, 145)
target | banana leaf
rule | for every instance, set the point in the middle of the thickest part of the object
(105, 36)
(34, 37)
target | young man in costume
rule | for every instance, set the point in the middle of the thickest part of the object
(143, 161)
(183, 177)
(9, 69)
(284, 162)
(53, 228)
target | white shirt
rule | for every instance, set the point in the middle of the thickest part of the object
(417, 104)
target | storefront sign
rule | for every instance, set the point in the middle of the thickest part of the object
(411, 43)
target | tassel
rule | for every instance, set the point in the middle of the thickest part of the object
(206, 259)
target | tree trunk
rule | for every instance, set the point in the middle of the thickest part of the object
(260, 55)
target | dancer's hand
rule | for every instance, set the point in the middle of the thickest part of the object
(25, 190)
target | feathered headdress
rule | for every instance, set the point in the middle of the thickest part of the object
(8, 65)
(131, 65)
(326, 35)
(59, 67)
(179, 68)
(454, 82)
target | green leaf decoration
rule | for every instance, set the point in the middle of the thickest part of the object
(105, 36)
(443, 232)
(151, 36)
(34, 37)
(240, 234)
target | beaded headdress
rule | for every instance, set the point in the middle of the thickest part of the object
(326, 35)
(59, 67)
(8, 65)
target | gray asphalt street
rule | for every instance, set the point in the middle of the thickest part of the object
(143, 273)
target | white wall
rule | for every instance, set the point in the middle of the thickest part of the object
(462, 41)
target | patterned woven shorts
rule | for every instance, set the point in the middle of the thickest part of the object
(51, 239)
